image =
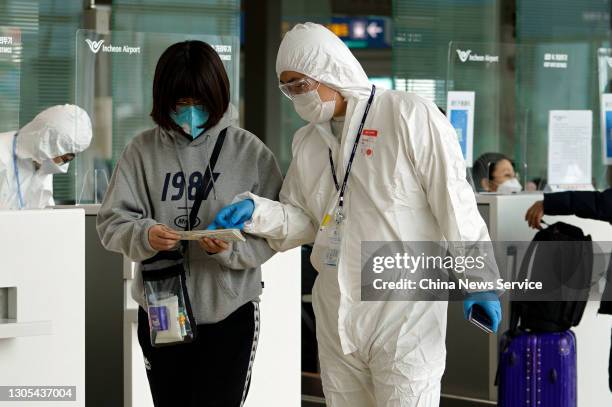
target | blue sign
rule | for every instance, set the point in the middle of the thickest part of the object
(608, 135)
(459, 120)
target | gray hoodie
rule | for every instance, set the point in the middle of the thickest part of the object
(148, 187)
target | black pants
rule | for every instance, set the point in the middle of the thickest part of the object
(212, 371)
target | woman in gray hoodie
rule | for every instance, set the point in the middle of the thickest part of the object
(194, 146)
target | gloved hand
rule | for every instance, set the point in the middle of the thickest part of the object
(489, 302)
(233, 216)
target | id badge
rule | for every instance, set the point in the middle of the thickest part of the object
(334, 240)
(331, 226)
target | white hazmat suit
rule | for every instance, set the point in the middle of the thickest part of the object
(26, 157)
(407, 183)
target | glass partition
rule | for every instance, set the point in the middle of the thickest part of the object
(534, 103)
(10, 77)
(475, 68)
(114, 80)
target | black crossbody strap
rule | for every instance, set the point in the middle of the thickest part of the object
(207, 181)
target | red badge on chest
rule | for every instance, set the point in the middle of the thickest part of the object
(367, 141)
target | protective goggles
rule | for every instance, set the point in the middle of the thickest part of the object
(66, 158)
(298, 87)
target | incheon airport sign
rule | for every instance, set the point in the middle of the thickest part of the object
(469, 55)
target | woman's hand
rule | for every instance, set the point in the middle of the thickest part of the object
(534, 215)
(213, 246)
(161, 238)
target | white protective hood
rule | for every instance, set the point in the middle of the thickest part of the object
(54, 132)
(314, 51)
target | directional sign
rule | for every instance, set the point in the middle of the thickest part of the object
(374, 30)
(362, 32)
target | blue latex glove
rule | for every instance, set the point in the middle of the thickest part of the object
(233, 216)
(489, 302)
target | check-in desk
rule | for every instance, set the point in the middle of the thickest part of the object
(472, 355)
(42, 304)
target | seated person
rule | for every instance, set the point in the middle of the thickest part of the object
(494, 172)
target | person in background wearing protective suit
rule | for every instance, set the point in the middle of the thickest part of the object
(43, 147)
(402, 179)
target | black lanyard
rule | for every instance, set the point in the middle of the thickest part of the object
(350, 163)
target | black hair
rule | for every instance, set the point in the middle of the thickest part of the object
(189, 69)
(484, 166)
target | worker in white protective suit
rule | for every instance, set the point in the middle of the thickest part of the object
(406, 182)
(43, 147)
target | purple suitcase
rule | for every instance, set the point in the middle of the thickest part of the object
(538, 370)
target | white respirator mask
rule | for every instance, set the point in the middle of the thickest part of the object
(510, 186)
(311, 108)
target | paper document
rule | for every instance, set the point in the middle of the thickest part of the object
(227, 235)
(569, 147)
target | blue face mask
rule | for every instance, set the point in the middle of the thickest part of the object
(191, 119)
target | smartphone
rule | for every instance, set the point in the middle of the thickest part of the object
(479, 317)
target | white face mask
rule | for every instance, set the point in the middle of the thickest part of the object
(510, 186)
(311, 108)
(51, 167)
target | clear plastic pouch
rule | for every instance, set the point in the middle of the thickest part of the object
(171, 319)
